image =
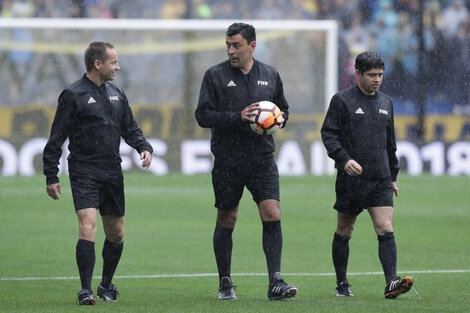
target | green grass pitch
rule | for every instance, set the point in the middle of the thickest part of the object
(168, 263)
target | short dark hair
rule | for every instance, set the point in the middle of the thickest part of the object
(247, 31)
(96, 51)
(367, 60)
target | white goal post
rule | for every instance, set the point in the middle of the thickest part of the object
(329, 27)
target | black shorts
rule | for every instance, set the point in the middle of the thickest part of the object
(355, 194)
(105, 194)
(260, 178)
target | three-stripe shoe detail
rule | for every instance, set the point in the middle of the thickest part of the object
(279, 290)
(344, 289)
(227, 289)
(398, 286)
(276, 289)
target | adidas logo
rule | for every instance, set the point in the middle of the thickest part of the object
(91, 100)
(359, 111)
(231, 84)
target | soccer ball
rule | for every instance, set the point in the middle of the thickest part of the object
(268, 119)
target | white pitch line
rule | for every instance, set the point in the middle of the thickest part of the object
(233, 274)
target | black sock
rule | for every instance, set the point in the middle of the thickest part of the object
(111, 255)
(85, 255)
(340, 252)
(388, 255)
(222, 242)
(272, 246)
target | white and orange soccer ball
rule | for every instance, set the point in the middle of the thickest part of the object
(268, 118)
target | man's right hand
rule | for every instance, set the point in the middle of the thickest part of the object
(53, 190)
(248, 114)
(352, 168)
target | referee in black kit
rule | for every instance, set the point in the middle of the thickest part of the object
(94, 114)
(358, 133)
(227, 102)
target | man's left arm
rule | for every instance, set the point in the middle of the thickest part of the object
(133, 135)
(391, 150)
(280, 100)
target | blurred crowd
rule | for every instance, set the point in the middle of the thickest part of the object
(388, 27)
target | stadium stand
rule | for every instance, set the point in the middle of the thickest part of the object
(389, 27)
